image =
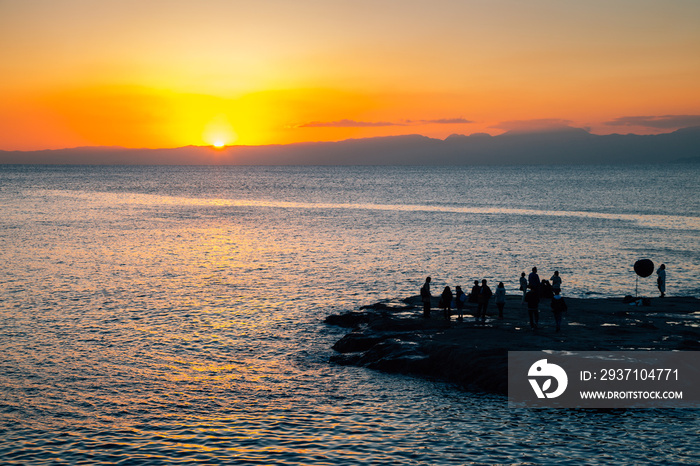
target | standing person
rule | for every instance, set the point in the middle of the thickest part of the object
(523, 286)
(558, 308)
(485, 294)
(533, 280)
(460, 301)
(474, 296)
(426, 297)
(661, 280)
(500, 299)
(446, 302)
(532, 298)
(546, 290)
(556, 281)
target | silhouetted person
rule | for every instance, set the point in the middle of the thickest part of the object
(558, 308)
(460, 301)
(485, 294)
(426, 297)
(556, 281)
(446, 302)
(546, 291)
(500, 299)
(533, 280)
(474, 298)
(532, 298)
(474, 295)
(661, 280)
(523, 286)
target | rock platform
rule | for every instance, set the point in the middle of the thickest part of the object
(394, 336)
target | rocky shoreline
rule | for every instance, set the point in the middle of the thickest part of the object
(394, 337)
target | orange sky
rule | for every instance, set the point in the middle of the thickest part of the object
(172, 73)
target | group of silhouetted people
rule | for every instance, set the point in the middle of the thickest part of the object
(480, 295)
(534, 291)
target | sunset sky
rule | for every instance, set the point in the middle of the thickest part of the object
(158, 73)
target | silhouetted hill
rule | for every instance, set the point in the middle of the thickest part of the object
(560, 146)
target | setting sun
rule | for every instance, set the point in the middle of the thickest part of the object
(232, 211)
(186, 77)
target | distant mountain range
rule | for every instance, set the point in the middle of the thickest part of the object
(564, 145)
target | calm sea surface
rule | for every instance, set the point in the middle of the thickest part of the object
(161, 315)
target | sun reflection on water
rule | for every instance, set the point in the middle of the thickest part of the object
(166, 329)
(645, 220)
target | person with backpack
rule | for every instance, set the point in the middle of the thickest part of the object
(446, 302)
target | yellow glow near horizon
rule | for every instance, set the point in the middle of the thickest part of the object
(136, 74)
(219, 132)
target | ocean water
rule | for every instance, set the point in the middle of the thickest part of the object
(164, 315)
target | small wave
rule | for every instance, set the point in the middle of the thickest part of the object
(671, 222)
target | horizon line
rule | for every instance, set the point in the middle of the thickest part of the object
(554, 129)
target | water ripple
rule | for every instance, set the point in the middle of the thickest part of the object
(159, 328)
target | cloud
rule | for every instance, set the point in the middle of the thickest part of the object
(345, 123)
(659, 122)
(442, 121)
(348, 124)
(533, 125)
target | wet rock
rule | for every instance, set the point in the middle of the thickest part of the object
(397, 356)
(346, 359)
(356, 342)
(475, 356)
(348, 319)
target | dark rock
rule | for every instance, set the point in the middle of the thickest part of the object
(348, 319)
(356, 342)
(376, 307)
(689, 345)
(384, 307)
(346, 359)
(403, 325)
(394, 355)
(398, 339)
